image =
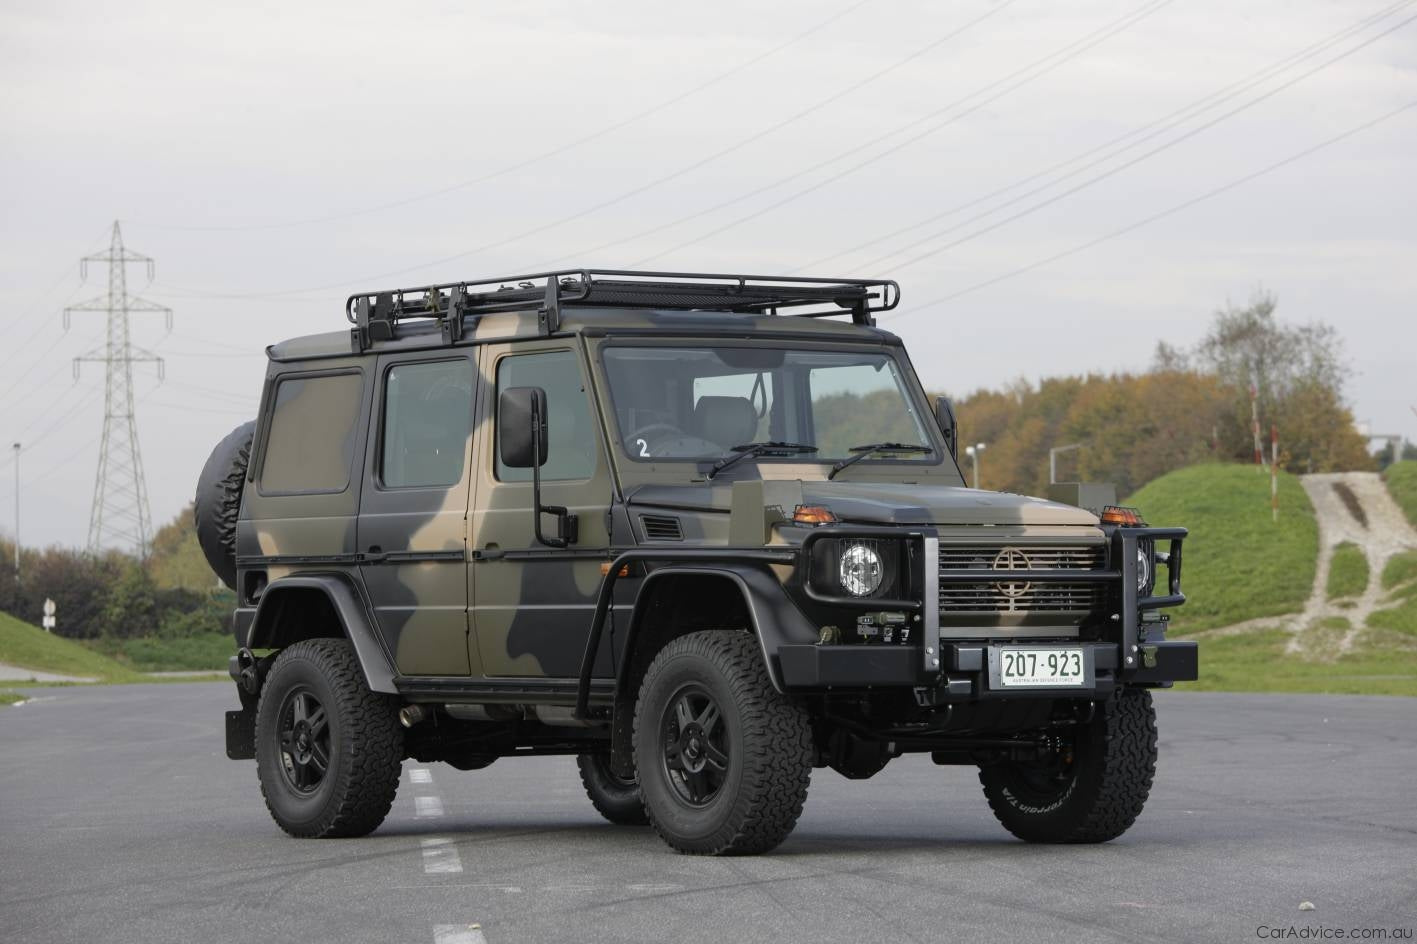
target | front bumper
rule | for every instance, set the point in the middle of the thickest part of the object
(965, 675)
(944, 670)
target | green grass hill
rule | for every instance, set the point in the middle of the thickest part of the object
(30, 647)
(1239, 562)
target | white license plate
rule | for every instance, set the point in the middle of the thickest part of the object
(1041, 668)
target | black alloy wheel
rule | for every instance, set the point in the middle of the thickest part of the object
(696, 745)
(304, 732)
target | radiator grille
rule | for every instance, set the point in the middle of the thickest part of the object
(1020, 597)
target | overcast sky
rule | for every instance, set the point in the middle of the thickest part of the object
(274, 157)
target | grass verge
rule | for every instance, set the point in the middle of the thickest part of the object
(1348, 574)
(11, 698)
(1256, 662)
(30, 647)
(208, 651)
(1239, 563)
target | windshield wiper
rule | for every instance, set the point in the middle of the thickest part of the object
(749, 450)
(870, 449)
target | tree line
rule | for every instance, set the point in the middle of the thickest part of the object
(1191, 405)
(115, 595)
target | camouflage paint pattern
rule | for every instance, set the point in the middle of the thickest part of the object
(490, 615)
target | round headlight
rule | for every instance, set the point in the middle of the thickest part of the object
(1143, 569)
(861, 570)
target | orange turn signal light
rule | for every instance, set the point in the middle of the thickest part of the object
(1126, 517)
(605, 569)
(813, 514)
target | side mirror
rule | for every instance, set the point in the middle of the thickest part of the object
(945, 416)
(522, 443)
(521, 427)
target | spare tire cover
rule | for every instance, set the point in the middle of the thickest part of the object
(219, 500)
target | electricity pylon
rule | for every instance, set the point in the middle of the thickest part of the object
(120, 496)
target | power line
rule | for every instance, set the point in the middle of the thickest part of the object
(1136, 136)
(1171, 211)
(537, 158)
(663, 179)
(1027, 211)
(1067, 53)
(1064, 55)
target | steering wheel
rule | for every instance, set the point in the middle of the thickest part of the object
(638, 442)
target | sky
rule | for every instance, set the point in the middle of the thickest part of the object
(1057, 187)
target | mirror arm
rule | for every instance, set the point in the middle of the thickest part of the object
(567, 525)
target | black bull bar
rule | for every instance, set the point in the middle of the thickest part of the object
(1124, 605)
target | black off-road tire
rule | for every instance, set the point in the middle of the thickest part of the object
(1099, 794)
(364, 743)
(614, 797)
(766, 740)
(218, 501)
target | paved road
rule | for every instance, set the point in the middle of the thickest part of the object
(122, 821)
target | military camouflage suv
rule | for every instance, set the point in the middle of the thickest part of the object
(693, 530)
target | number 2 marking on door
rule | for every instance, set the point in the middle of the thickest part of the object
(644, 449)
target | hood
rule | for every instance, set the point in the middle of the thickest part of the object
(874, 503)
(870, 503)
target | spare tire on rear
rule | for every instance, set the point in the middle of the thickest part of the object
(219, 500)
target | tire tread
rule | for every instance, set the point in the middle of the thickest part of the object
(776, 771)
(372, 743)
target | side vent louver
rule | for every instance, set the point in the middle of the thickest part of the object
(661, 528)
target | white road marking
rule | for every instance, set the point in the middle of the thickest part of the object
(427, 806)
(458, 934)
(440, 856)
(420, 775)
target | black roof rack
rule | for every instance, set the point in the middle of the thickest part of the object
(374, 314)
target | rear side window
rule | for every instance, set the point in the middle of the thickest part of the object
(310, 446)
(571, 448)
(427, 424)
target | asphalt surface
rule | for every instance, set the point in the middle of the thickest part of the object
(121, 820)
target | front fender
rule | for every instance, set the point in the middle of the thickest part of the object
(774, 617)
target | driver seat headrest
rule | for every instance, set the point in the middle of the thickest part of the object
(726, 421)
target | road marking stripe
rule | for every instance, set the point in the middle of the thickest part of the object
(458, 934)
(427, 806)
(440, 856)
(420, 775)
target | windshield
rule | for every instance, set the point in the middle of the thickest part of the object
(701, 402)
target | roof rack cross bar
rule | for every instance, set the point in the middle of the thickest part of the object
(375, 314)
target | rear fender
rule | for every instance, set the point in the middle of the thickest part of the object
(278, 622)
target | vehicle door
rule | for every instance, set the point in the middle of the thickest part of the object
(532, 604)
(413, 514)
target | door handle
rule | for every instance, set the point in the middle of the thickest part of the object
(374, 555)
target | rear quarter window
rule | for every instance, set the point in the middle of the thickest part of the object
(310, 446)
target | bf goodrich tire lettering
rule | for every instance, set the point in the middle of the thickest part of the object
(1113, 764)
